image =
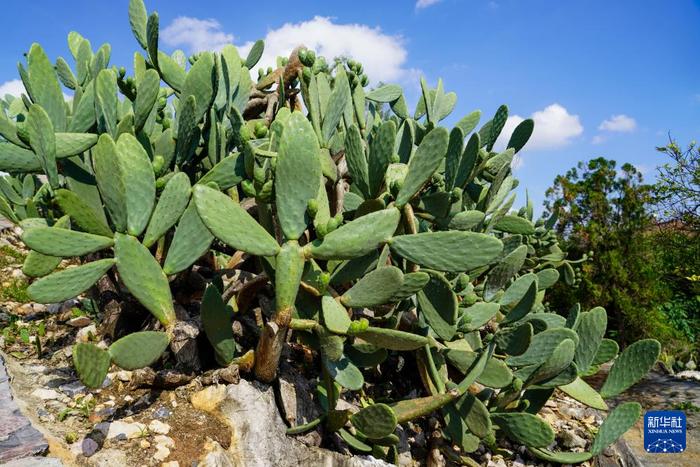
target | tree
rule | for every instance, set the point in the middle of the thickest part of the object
(678, 186)
(607, 211)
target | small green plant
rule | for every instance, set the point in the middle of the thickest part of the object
(686, 406)
(26, 333)
(84, 406)
(378, 231)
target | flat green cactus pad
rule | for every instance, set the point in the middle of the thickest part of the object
(631, 366)
(525, 428)
(359, 237)
(171, 204)
(92, 364)
(138, 350)
(375, 421)
(68, 283)
(444, 251)
(298, 174)
(64, 242)
(231, 223)
(144, 278)
(376, 288)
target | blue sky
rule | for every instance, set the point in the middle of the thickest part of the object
(601, 78)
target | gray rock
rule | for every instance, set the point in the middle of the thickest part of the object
(121, 430)
(73, 389)
(162, 412)
(35, 462)
(46, 394)
(89, 447)
(18, 438)
(571, 440)
(158, 427)
(260, 438)
(84, 334)
(79, 321)
(184, 345)
(689, 374)
(295, 393)
(109, 458)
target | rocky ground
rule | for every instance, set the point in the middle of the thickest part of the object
(221, 418)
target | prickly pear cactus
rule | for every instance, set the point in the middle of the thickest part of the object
(364, 233)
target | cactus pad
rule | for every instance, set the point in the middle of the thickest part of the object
(92, 364)
(138, 350)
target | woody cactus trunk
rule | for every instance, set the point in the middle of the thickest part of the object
(323, 209)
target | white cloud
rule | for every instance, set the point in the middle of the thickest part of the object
(383, 56)
(599, 139)
(619, 123)
(555, 127)
(13, 87)
(195, 34)
(425, 3)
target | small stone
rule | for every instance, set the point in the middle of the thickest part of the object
(161, 412)
(73, 389)
(208, 399)
(170, 464)
(79, 321)
(128, 398)
(84, 334)
(161, 454)
(158, 427)
(166, 441)
(17, 274)
(573, 412)
(122, 430)
(143, 444)
(89, 447)
(688, 374)
(46, 394)
(571, 440)
(107, 382)
(123, 375)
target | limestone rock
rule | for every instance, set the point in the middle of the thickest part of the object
(209, 398)
(122, 430)
(46, 394)
(158, 427)
(260, 438)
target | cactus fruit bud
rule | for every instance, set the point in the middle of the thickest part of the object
(462, 281)
(358, 326)
(248, 188)
(456, 194)
(158, 164)
(307, 57)
(259, 174)
(306, 74)
(312, 207)
(517, 384)
(265, 192)
(260, 130)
